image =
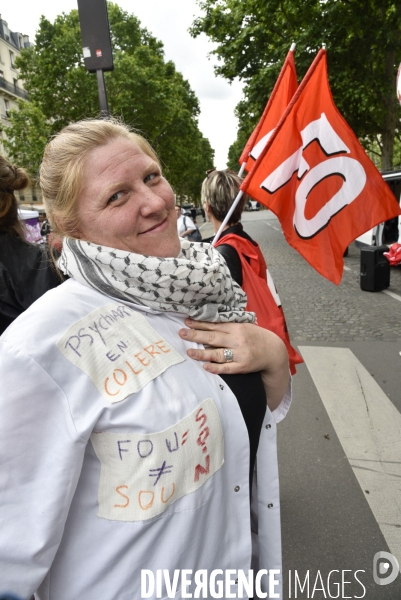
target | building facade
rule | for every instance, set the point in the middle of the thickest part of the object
(11, 87)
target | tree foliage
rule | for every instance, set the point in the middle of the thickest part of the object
(363, 39)
(30, 132)
(144, 89)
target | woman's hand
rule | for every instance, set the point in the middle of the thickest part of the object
(254, 349)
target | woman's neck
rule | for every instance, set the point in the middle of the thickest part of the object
(215, 222)
(216, 225)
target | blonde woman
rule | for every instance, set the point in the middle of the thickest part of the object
(124, 449)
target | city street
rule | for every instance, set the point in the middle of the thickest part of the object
(340, 444)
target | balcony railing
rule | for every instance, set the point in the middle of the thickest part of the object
(13, 89)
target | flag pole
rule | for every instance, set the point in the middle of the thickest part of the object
(227, 217)
(242, 169)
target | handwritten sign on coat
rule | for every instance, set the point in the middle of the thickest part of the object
(142, 474)
(118, 349)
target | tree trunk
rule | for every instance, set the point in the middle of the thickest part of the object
(391, 106)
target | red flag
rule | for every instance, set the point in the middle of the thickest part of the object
(316, 177)
(284, 89)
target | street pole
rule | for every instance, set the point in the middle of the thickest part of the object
(101, 87)
(96, 45)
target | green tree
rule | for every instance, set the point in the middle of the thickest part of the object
(143, 89)
(27, 136)
(363, 39)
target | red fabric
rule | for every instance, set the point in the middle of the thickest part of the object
(284, 89)
(260, 299)
(394, 255)
(315, 176)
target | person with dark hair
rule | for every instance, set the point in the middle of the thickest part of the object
(45, 229)
(25, 272)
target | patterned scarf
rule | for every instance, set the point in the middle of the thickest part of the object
(197, 282)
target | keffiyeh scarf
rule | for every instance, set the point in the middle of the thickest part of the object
(197, 282)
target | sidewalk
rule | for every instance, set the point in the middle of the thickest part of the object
(206, 228)
(352, 262)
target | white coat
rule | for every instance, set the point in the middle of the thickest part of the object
(119, 453)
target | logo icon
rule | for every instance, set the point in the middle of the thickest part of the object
(337, 163)
(385, 568)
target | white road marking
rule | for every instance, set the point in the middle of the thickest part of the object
(395, 296)
(369, 428)
(346, 268)
(276, 228)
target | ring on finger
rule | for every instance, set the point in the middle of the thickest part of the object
(228, 355)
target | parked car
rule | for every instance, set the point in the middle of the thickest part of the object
(187, 207)
(388, 232)
(253, 205)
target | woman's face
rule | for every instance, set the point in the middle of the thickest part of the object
(125, 203)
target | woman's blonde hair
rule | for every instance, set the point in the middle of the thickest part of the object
(62, 169)
(219, 190)
(11, 178)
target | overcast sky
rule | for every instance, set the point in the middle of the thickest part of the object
(168, 20)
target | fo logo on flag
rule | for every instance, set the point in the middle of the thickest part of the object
(316, 177)
(351, 171)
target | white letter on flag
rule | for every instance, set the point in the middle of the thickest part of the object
(349, 169)
(354, 181)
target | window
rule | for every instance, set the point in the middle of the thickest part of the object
(6, 31)
(15, 84)
(7, 107)
(12, 60)
(2, 74)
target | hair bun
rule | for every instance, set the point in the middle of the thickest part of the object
(11, 177)
(21, 179)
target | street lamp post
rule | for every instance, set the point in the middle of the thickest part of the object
(96, 45)
(102, 92)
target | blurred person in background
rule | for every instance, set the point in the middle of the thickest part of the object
(186, 227)
(193, 214)
(25, 272)
(243, 255)
(45, 228)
